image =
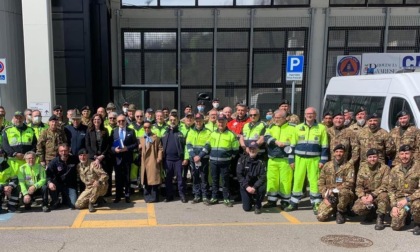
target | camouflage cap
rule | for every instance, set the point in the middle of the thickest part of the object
(18, 113)
(405, 147)
(372, 151)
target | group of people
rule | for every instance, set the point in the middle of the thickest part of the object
(345, 164)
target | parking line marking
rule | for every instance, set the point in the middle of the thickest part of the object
(121, 211)
(113, 223)
(79, 219)
(290, 218)
(151, 214)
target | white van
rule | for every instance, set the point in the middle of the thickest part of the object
(385, 94)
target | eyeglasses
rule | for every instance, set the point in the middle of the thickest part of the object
(112, 118)
(139, 116)
(253, 114)
(120, 121)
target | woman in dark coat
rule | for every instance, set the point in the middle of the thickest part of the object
(98, 146)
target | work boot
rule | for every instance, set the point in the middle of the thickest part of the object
(380, 222)
(91, 208)
(315, 208)
(291, 207)
(257, 210)
(195, 200)
(339, 219)
(416, 230)
(227, 203)
(369, 218)
(284, 205)
(270, 204)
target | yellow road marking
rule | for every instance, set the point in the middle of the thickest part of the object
(121, 211)
(79, 219)
(113, 223)
(290, 218)
(151, 215)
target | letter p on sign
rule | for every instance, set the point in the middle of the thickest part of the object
(294, 68)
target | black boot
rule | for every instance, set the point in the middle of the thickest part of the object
(380, 222)
(339, 219)
(369, 217)
(408, 219)
(91, 208)
(416, 230)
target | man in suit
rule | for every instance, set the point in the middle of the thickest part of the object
(124, 142)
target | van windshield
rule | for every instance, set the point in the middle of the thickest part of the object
(338, 103)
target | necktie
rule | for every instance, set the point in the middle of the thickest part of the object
(121, 135)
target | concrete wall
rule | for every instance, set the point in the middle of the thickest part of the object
(13, 94)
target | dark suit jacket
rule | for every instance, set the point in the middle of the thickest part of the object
(92, 145)
(130, 142)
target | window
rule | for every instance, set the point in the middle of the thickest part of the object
(396, 105)
(338, 103)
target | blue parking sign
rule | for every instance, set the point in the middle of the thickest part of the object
(294, 68)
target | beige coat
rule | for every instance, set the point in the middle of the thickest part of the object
(151, 160)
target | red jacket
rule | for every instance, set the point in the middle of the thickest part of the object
(236, 125)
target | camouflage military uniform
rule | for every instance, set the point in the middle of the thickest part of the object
(380, 140)
(86, 121)
(293, 119)
(404, 182)
(332, 176)
(345, 137)
(373, 181)
(47, 147)
(89, 173)
(356, 128)
(410, 137)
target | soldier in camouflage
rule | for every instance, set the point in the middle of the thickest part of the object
(374, 137)
(291, 118)
(338, 134)
(327, 120)
(404, 191)
(336, 182)
(372, 190)
(361, 115)
(49, 140)
(405, 134)
(95, 179)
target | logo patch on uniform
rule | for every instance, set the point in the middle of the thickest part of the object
(59, 168)
(406, 186)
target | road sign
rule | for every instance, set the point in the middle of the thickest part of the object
(294, 68)
(3, 75)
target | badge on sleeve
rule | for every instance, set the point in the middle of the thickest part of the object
(405, 185)
(339, 180)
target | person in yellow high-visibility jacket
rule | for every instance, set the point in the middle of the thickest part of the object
(280, 140)
(311, 153)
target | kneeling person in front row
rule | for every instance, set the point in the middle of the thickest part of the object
(404, 190)
(8, 184)
(372, 190)
(252, 178)
(95, 179)
(33, 182)
(336, 182)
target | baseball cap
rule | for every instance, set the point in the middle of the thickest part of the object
(198, 116)
(75, 114)
(18, 113)
(111, 106)
(221, 117)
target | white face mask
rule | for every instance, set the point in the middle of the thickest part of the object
(346, 122)
(1, 159)
(216, 105)
(361, 122)
(29, 117)
(125, 110)
(36, 120)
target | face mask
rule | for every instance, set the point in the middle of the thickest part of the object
(1, 159)
(200, 108)
(125, 110)
(268, 117)
(37, 119)
(361, 122)
(29, 117)
(216, 105)
(346, 122)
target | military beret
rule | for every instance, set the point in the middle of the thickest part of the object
(126, 104)
(150, 110)
(200, 102)
(372, 152)
(361, 109)
(284, 101)
(57, 107)
(328, 113)
(339, 147)
(198, 116)
(253, 145)
(402, 113)
(111, 106)
(53, 118)
(188, 106)
(216, 100)
(85, 108)
(405, 147)
(372, 116)
(82, 151)
(337, 114)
